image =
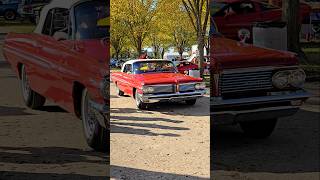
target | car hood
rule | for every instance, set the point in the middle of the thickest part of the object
(227, 54)
(165, 78)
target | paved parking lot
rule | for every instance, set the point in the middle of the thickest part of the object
(168, 141)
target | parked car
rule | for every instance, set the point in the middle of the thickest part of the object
(253, 86)
(30, 9)
(67, 67)
(8, 9)
(150, 81)
(185, 66)
(236, 18)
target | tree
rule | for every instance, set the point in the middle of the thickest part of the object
(290, 14)
(198, 11)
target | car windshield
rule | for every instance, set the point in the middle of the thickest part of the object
(153, 67)
(92, 20)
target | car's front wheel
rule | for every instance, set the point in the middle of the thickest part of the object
(32, 99)
(139, 102)
(119, 92)
(259, 129)
(10, 15)
(96, 135)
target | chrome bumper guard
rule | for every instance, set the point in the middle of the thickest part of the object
(172, 97)
(262, 113)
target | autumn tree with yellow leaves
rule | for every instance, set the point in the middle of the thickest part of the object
(159, 24)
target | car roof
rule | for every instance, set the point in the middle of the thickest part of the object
(66, 4)
(141, 60)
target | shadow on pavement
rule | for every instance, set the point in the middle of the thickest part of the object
(50, 155)
(13, 111)
(139, 174)
(52, 109)
(293, 147)
(11, 175)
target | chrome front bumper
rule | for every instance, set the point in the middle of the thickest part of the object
(145, 98)
(256, 108)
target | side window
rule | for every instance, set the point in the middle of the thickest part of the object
(60, 21)
(48, 24)
(57, 20)
(127, 68)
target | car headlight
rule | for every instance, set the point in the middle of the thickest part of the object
(147, 89)
(294, 78)
(297, 78)
(280, 79)
(200, 86)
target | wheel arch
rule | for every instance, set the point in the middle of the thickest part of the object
(76, 96)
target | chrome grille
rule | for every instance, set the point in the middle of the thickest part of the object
(186, 87)
(245, 81)
(169, 88)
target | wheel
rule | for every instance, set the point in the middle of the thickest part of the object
(191, 102)
(259, 129)
(119, 92)
(139, 103)
(32, 99)
(10, 15)
(95, 135)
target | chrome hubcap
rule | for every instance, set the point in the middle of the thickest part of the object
(89, 119)
(25, 85)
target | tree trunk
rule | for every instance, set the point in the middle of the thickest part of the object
(201, 54)
(290, 14)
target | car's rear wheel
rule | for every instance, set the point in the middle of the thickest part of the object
(139, 103)
(119, 92)
(10, 15)
(96, 135)
(30, 97)
(191, 102)
(259, 129)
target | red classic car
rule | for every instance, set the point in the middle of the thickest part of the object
(65, 60)
(150, 80)
(253, 86)
(185, 66)
(235, 17)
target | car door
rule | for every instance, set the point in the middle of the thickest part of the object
(53, 51)
(125, 83)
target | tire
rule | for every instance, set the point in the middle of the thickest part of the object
(119, 92)
(31, 99)
(10, 15)
(191, 102)
(259, 129)
(97, 137)
(139, 103)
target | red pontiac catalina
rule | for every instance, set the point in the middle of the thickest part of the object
(150, 80)
(65, 60)
(238, 16)
(253, 86)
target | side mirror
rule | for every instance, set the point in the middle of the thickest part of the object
(60, 36)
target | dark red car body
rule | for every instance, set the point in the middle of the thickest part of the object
(229, 25)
